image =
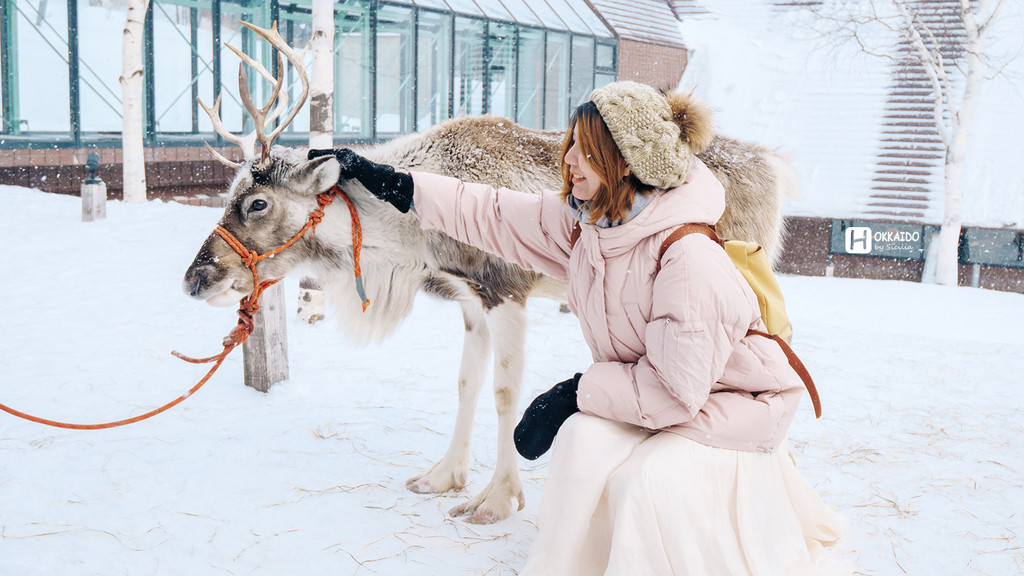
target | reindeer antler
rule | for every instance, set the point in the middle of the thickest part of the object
(263, 116)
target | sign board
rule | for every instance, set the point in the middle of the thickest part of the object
(881, 239)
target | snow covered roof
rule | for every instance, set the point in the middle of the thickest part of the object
(641, 20)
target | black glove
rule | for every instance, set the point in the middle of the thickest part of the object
(380, 179)
(541, 421)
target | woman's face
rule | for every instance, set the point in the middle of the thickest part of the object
(585, 182)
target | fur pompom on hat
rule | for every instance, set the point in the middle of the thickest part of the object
(656, 133)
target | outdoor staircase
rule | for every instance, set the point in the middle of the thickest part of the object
(905, 174)
(689, 8)
(909, 166)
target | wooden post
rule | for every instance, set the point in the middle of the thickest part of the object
(311, 301)
(265, 353)
(94, 200)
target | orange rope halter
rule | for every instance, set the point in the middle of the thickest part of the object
(247, 308)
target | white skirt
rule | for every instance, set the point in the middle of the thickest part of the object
(620, 501)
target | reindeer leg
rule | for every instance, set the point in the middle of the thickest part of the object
(495, 502)
(450, 471)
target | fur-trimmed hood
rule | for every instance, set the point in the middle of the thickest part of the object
(701, 199)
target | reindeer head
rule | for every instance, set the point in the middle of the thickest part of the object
(270, 201)
(270, 197)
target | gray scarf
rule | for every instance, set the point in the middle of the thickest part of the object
(581, 212)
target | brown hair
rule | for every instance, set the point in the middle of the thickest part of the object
(615, 195)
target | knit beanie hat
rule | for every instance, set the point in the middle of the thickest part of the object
(656, 133)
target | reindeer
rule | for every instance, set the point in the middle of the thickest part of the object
(272, 195)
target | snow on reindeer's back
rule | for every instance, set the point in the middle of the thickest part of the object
(486, 149)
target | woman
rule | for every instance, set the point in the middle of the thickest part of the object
(670, 456)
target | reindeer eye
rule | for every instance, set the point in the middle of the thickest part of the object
(258, 205)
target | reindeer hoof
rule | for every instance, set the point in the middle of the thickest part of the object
(460, 510)
(483, 517)
(486, 509)
(431, 483)
(473, 515)
(420, 486)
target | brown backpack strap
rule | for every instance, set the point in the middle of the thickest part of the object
(798, 367)
(576, 231)
(685, 230)
(794, 361)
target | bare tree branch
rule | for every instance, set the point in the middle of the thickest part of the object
(992, 17)
(932, 64)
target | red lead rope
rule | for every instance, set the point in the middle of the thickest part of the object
(247, 308)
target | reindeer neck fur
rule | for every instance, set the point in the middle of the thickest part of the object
(398, 257)
(391, 260)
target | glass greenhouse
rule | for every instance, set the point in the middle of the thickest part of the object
(400, 65)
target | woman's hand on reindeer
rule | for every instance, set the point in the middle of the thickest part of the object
(545, 415)
(381, 180)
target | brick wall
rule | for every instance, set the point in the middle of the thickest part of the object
(806, 254)
(170, 172)
(658, 66)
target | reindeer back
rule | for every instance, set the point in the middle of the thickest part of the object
(494, 150)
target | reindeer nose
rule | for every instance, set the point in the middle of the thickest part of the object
(196, 279)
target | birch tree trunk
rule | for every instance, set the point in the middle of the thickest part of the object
(132, 78)
(321, 77)
(947, 265)
(321, 128)
(960, 110)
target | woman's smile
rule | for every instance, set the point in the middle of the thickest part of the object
(585, 181)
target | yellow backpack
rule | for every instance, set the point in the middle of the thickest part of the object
(752, 262)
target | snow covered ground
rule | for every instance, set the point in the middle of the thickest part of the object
(921, 445)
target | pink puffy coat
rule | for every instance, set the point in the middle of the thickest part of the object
(670, 349)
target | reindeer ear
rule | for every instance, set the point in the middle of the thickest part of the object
(317, 175)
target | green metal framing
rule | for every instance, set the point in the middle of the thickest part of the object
(9, 81)
(488, 53)
(149, 91)
(451, 65)
(415, 64)
(193, 37)
(372, 82)
(215, 16)
(515, 72)
(74, 78)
